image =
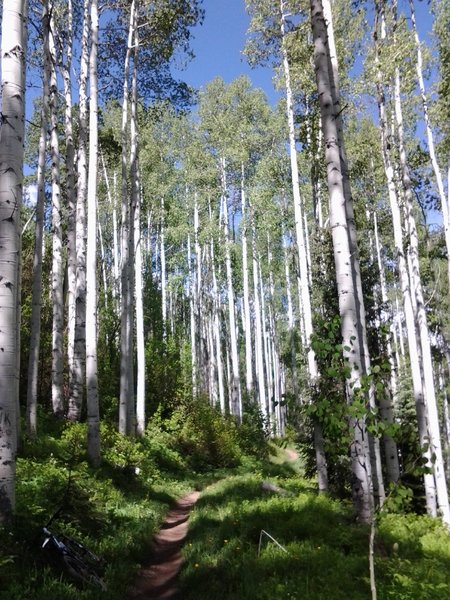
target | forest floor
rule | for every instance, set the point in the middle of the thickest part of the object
(157, 580)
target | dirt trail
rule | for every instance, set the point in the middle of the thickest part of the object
(291, 454)
(158, 580)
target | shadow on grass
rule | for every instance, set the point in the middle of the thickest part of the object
(325, 557)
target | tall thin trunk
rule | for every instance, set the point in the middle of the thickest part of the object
(13, 50)
(126, 357)
(343, 258)
(35, 325)
(162, 258)
(235, 396)
(77, 372)
(193, 328)
(216, 322)
(304, 294)
(429, 387)
(259, 339)
(333, 73)
(413, 344)
(65, 68)
(136, 193)
(245, 297)
(92, 403)
(57, 238)
(445, 207)
(387, 416)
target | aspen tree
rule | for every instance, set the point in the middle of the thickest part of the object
(413, 343)
(343, 257)
(13, 49)
(235, 384)
(303, 278)
(65, 67)
(92, 403)
(444, 200)
(421, 318)
(126, 308)
(333, 70)
(78, 367)
(57, 240)
(35, 325)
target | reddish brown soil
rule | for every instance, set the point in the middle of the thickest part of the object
(291, 454)
(158, 579)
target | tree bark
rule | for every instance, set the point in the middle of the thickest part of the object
(13, 49)
(92, 403)
(57, 238)
(343, 258)
(77, 372)
(35, 324)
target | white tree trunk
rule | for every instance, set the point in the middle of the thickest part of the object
(193, 328)
(162, 258)
(77, 372)
(245, 298)
(92, 404)
(57, 241)
(413, 345)
(13, 49)
(235, 397)
(303, 278)
(35, 325)
(259, 340)
(343, 258)
(445, 206)
(126, 324)
(387, 416)
(65, 68)
(429, 387)
(216, 323)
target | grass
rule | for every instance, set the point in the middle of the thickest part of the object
(326, 551)
(323, 555)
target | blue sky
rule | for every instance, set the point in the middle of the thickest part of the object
(218, 46)
(219, 42)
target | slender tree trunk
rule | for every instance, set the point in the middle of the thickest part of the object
(413, 345)
(304, 295)
(66, 66)
(93, 414)
(216, 322)
(194, 366)
(259, 340)
(162, 258)
(35, 325)
(245, 298)
(57, 237)
(343, 257)
(429, 387)
(236, 403)
(126, 358)
(445, 207)
(387, 416)
(77, 372)
(13, 50)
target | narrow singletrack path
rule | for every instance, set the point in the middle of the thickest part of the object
(158, 579)
(291, 454)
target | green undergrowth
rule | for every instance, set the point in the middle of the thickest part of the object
(323, 553)
(319, 551)
(115, 509)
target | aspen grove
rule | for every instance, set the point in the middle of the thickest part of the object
(162, 245)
